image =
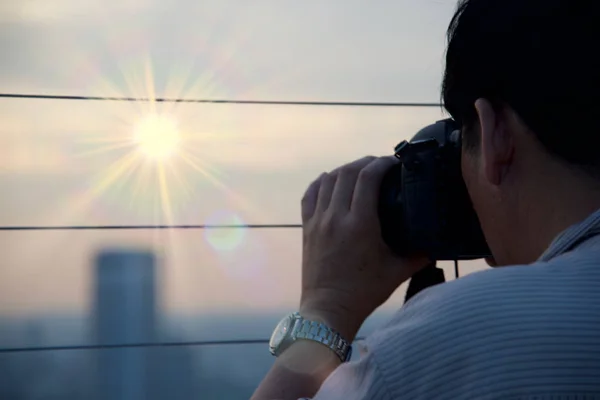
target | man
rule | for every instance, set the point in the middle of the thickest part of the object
(522, 79)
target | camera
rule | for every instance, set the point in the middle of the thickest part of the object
(424, 206)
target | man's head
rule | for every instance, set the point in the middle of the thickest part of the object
(522, 77)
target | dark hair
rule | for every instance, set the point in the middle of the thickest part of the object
(537, 56)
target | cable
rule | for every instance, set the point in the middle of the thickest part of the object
(139, 227)
(131, 345)
(217, 101)
(138, 345)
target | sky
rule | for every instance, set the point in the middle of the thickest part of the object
(66, 162)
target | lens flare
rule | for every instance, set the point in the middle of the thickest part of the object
(152, 158)
(240, 255)
(157, 136)
(225, 239)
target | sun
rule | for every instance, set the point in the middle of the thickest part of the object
(157, 136)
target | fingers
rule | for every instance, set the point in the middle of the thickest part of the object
(352, 186)
(366, 192)
(309, 201)
(326, 191)
(346, 182)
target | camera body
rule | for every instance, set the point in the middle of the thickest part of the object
(424, 206)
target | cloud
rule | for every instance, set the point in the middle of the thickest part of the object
(38, 157)
(61, 11)
(342, 50)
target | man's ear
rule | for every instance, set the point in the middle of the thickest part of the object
(497, 144)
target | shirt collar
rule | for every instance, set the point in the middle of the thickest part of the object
(573, 236)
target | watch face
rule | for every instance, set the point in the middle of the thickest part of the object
(281, 331)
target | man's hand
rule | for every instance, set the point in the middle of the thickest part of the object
(347, 269)
(347, 272)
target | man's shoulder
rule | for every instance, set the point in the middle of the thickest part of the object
(470, 300)
(513, 295)
(483, 289)
(495, 287)
(450, 335)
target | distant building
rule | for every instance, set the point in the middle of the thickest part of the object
(124, 313)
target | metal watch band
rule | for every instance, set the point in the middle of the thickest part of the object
(319, 332)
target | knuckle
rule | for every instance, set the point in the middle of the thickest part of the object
(321, 178)
(348, 225)
(330, 176)
(348, 171)
(356, 223)
(329, 179)
(308, 192)
(367, 158)
(355, 167)
(328, 224)
(304, 199)
(339, 224)
(317, 182)
(363, 162)
(314, 183)
(366, 174)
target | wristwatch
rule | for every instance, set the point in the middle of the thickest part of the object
(294, 327)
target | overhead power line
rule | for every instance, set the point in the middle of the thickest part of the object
(217, 101)
(131, 345)
(140, 227)
(137, 345)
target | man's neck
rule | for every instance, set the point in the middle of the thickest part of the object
(553, 208)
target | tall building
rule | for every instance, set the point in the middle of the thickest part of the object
(124, 312)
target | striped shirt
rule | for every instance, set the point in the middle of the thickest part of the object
(522, 332)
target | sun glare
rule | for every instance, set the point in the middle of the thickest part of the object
(157, 136)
